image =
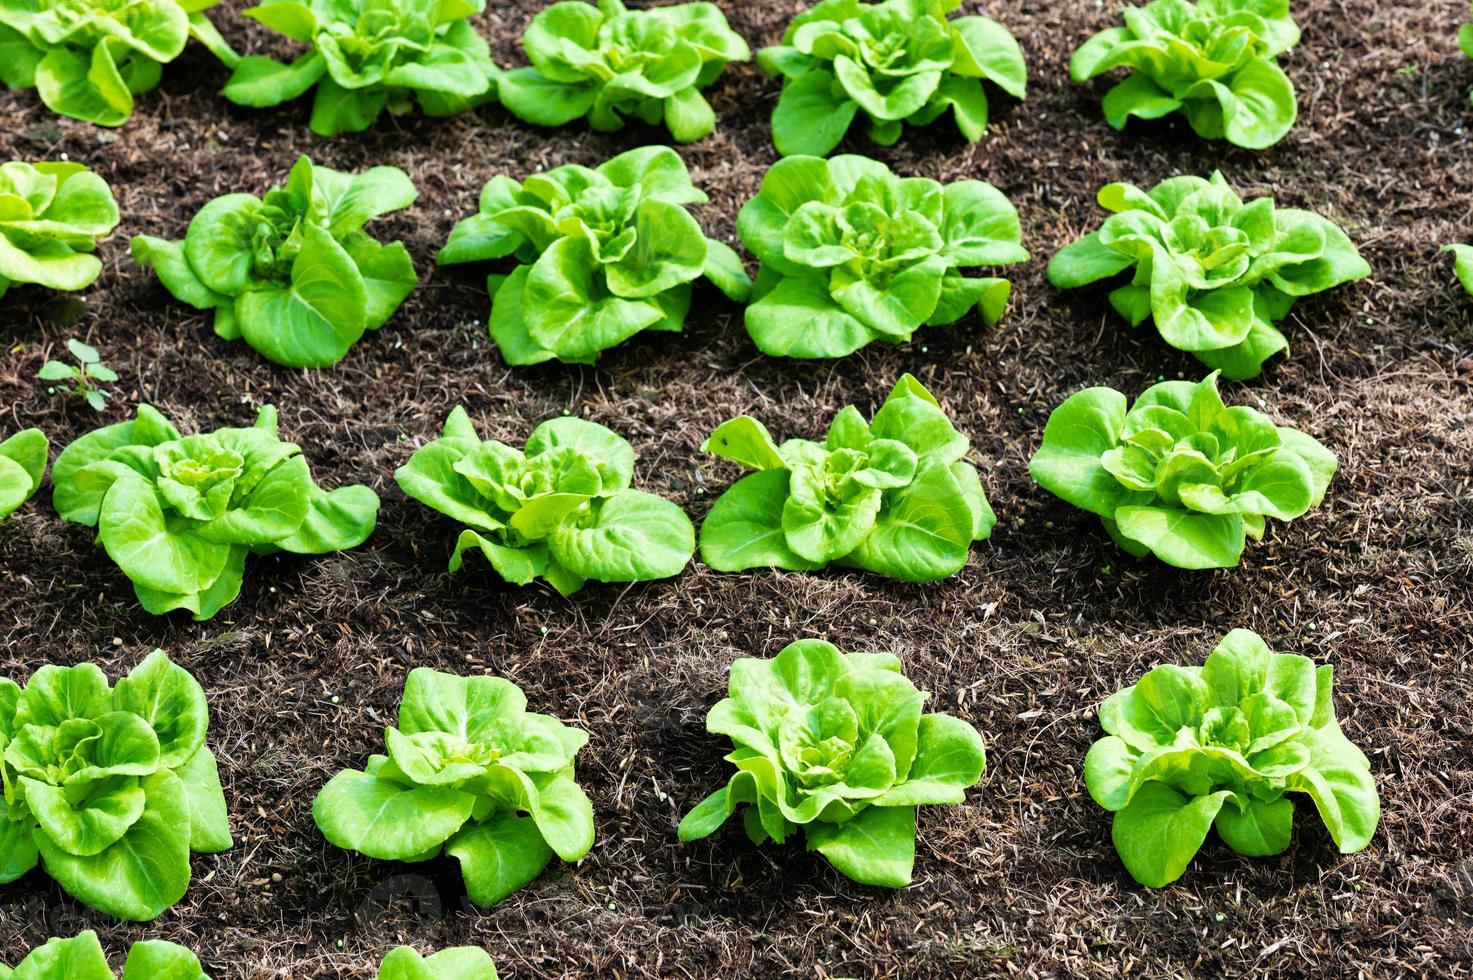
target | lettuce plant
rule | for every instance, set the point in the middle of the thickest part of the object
(607, 62)
(179, 514)
(82, 958)
(88, 58)
(470, 771)
(293, 274)
(109, 788)
(852, 254)
(1213, 60)
(893, 496)
(835, 744)
(1465, 41)
(51, 216)
(601, 255)
(896, 62)
(460, 963)
(1179, 475)
(1212, 273)
(1221, 746)
(368, 56)
(22, 465)
(1462, 261)
(559, 509)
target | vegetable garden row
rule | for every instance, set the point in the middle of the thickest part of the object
(111, 787)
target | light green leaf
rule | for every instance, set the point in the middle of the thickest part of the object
(633, 537)
(499, 856)
(154, 959)
(477, 709)
(208, 820)
(924, 532)
(142, 874)
(1161, 830)
(800, 318)
(313, 322)
(745, 530)
(336, 521)
(1261, 830)
(1184, 538)
(899, 100)
(949, 760)
(877, 847)
(1139, 96)
(689, 116)
(541, 101)
(137, 535)
(812, 115)
(262, 82)
(609, 452)
(746, 441)
(460, 963)
(985, 49)
(982, 226)
(564, 816)
(1256, 106)
(336, 109)
(89, 89)
(725, 271)
(570, 311)
(669, 249)
(219, 243)
(382, 819)
(22, 465)
(352, 200)
(85, 822)
(516, 565)
(59, 694)
(80, 958)
(1081, 430)
(171, 701)
(1338, 779)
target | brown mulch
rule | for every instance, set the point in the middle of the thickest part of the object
(1048, 619)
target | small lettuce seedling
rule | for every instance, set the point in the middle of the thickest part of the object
(368, 56)
(1465, 41)
(852, 254)
(82, 958)
(1222, 746)
(460, 963)
(470, 771)
(292, 274)
(22, 465)
(602, 255)
(1212, 273)
(607, 62)
(890, 63)
(836, 745)
(1213, 61)
(1179, 475)
(88, 58)
(109, 788)
(1463, 261)
(86, 376)
(560, 509)
(179, 514)
(893, 496)
(51, 217)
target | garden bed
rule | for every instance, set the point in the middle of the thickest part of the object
(1047, 619)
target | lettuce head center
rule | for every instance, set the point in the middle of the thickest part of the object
(204, 467)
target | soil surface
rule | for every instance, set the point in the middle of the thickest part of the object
(1047, 619)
